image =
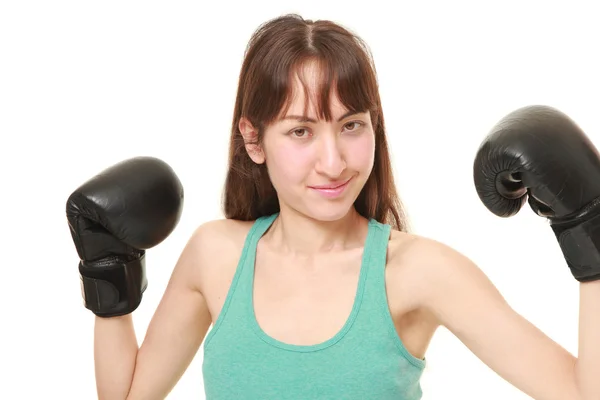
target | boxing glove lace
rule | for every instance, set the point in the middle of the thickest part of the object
(114, 218)
(537, 154)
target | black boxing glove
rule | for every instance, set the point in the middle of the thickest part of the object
(539, 155)
(114, 217)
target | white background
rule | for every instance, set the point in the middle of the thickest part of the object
(86, 84)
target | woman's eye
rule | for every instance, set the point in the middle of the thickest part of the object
(299, 132)
(354, 124)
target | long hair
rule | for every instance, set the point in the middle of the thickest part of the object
(275, 52)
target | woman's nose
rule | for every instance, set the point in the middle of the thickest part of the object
(330, 158)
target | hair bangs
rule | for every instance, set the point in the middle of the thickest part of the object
(337, 76)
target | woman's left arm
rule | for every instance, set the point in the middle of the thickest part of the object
(466, 302)
(587, 367)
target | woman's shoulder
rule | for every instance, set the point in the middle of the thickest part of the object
(220, 236)
(421, 250)
(425, 263)
(222, 231)
(216, 246)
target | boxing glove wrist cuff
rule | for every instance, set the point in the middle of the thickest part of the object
(578, 235)
(114, 288)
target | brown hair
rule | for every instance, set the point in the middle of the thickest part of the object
(277, 49)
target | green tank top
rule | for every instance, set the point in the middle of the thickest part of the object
(364, 360)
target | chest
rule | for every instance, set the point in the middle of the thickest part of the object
(306, 303)
(269, 373)
(305, 300)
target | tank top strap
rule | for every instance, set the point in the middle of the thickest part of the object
(375, 293)
(375, 301)
(259, 228)
(377, 246)
(245, 272)
(240, 289)
(248, 257)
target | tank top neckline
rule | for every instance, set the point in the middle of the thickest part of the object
(261, 225)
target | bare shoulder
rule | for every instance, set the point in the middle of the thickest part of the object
(441, 279)
(426, 267)
(221, 233)
(425, 255)
(216, 246)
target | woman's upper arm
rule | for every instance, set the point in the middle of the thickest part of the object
(179, 324)
(466, 302)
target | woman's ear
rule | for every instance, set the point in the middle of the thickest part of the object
(250, 135)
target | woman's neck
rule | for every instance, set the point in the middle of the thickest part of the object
(298, 234)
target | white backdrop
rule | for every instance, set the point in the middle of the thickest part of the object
(86, 84)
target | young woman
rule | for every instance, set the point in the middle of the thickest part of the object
(313, 286)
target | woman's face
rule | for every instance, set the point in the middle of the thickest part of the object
(318, 168)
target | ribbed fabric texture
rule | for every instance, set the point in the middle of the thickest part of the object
(364, 360)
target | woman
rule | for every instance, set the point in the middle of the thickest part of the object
(313, 286)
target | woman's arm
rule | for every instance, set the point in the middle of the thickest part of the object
(540, 156)
(115, 350)
(178, 327)
(174, 334)
(588, 363)
(464, 301)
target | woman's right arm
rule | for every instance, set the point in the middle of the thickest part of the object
(174, 334)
